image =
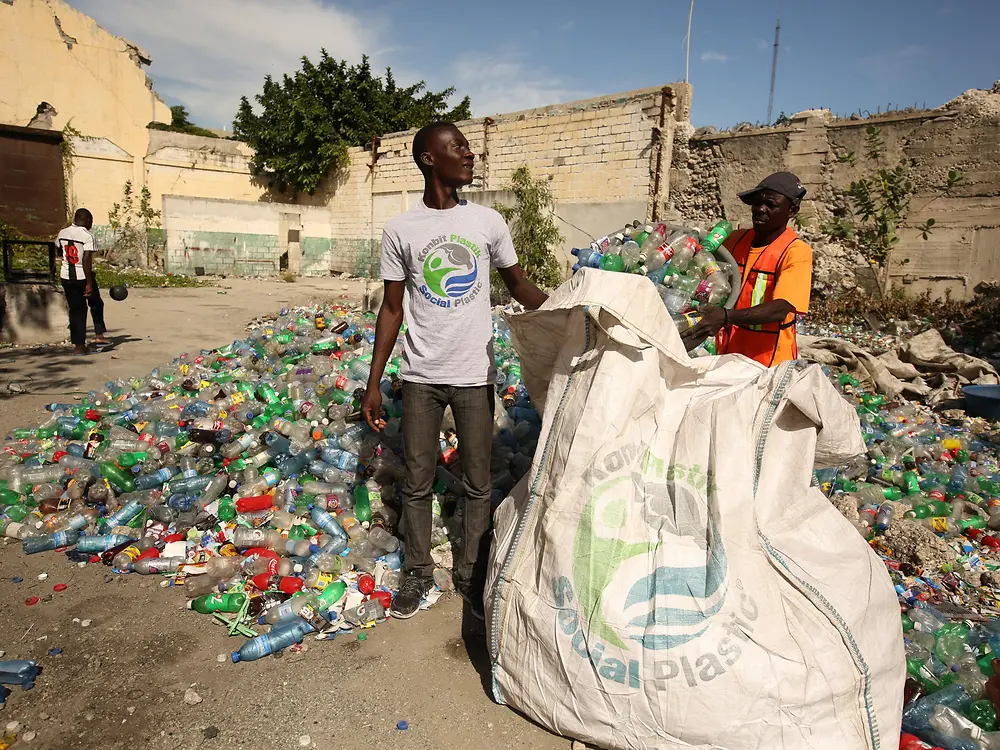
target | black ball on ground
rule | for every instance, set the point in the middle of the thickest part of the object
(119, 292)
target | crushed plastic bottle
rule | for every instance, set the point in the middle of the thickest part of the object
(922, 477)
(245, 477)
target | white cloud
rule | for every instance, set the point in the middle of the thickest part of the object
(208, 53)
(505, 83)
(762, 44)
(568, 26)
(714, 57)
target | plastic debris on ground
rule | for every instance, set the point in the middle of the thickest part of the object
(246, 478)
(927, 497)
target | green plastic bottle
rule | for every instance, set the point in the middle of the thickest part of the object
(128, 460)
(227, 509)
(116, 476)
(210, 603)
(983, 715)
(330, 595)
(8, 497)
(716, 236)
(976, 522)
(362, 504)
(612, 262)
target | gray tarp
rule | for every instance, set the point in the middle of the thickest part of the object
(923, 368)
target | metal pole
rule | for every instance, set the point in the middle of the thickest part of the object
(774, 70)
(687, 61)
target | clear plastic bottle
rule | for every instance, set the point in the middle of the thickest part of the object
(244, 538)
(157, 565)
(272, 642)
(32, 545)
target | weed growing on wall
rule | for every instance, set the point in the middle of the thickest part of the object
(533, 230)
(130, 221)
(876, 205)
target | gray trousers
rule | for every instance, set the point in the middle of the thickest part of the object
(423, 409)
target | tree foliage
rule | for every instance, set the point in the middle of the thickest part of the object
(307, 121)
(533, 228)
(179, 123)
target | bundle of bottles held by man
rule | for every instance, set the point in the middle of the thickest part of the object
(682, 262)
(247, 476)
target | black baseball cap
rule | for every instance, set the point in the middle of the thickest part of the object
(784, 183)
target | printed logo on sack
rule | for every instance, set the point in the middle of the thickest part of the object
(619, 604)
(450, 270)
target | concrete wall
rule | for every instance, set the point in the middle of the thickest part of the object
(51, 53)
(252, 238)
(598, 155)
(96, 81)
(964, 248)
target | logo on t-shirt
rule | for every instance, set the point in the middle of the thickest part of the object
(72, 253)
(450, 270)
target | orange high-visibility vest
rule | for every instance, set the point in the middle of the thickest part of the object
(762, 343)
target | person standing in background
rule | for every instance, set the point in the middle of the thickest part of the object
(77, 247)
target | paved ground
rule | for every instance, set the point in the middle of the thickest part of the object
(119, 683)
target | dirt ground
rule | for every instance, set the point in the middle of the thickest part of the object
(119, 683)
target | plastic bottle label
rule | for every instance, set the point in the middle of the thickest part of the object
(939, 524)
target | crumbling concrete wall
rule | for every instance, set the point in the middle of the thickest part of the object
(249, 238)
(963, 250)
(58, 66)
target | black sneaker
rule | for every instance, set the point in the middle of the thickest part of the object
(411, 592)
(473, 595)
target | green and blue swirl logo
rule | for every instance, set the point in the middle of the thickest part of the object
(450, 271)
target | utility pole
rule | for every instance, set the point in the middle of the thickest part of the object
(687, 61)
(774, 70)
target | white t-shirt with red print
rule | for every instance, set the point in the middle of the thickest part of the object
(73, 242)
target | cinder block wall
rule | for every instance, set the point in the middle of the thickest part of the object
(598, 155)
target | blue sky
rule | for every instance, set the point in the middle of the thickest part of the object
(847, 55)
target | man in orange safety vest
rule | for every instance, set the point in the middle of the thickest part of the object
(776, 278)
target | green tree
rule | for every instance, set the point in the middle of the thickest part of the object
(533, 230)
(307, 122)
(179, 123)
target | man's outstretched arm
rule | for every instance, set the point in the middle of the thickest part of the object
(520, 288)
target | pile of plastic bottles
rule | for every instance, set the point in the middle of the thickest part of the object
(681, 262)
(247, 476)
(945, 478)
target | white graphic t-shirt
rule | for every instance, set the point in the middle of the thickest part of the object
(73, 242)
(445, 257)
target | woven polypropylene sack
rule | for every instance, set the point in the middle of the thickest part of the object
(666, 576)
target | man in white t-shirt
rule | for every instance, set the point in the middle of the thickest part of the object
(76, 246)
(436, 261)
